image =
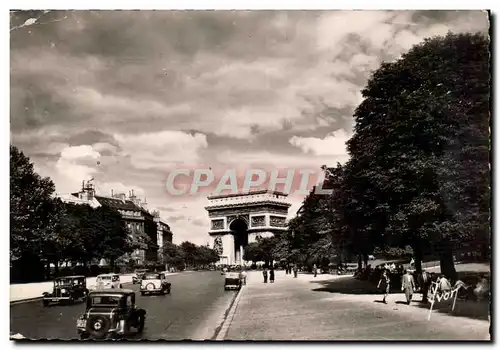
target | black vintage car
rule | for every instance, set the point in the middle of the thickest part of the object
(233, 280)
(110, 314)
(67, 289)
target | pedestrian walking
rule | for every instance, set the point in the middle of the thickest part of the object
(412, 263)
(408, 286)
(243, 276)
(271, 275)
(295, 270)
(315, 268)
(425, 282)
(385, 284)
(264, 274)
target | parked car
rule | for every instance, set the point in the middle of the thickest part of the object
(110, 314)
(108, 281)
(138, 275)
(371, 257)
(155, 283)
(232, 281)
(67, 289)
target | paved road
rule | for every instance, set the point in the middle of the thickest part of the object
(192, 311)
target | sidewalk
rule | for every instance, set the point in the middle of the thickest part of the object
(300, 309)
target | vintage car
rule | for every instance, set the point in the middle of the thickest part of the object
(155, 282)
(110, 314)
(67, 289)
(138, 275)
(108, 281)
(232, 281)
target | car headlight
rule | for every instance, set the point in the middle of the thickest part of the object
(63, 290)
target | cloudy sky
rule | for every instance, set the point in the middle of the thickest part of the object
(145, 92)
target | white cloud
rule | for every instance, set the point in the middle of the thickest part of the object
(104, 147)
(74, 166)
(162, 149)
(331, 145)
(79, 152)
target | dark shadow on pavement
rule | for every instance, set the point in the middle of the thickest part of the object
(353, 286)
(347, 285)
(463, 308)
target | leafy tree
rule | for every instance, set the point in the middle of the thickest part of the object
(115, 240)
(207, 256)
(190, 251)
(33, 213)
(253, 252)
(419, 170)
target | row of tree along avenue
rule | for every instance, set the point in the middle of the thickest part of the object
(46, 233)
(418, 179)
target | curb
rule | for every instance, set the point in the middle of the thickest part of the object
(224, 327)
(22, 301)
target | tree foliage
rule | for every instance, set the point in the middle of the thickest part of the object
(34, 215)
(418, 173)
(419, 168)
(188, 254)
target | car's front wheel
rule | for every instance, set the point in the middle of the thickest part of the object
(45, 302)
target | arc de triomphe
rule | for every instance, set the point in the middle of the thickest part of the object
(238, 219)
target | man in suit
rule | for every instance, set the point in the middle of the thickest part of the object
(424, 282)
(408, 286)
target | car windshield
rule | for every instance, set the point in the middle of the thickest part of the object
(105, 300)
(105, 277)
(63, 282)
(155, 276)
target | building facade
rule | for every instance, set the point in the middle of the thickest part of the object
(238, 219)
(138, 219)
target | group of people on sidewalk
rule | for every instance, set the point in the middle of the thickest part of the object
(265, 274)
(269, 274)
(289, 269)
(409, 287)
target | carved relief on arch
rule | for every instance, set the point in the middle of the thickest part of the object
(244, 217)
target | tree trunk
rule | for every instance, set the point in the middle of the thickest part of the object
(365, 260)
(417, 255)
(360, 262)
(446, 260)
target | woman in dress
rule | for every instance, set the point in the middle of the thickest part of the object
(385, 283)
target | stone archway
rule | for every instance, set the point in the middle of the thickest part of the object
(239, 230)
